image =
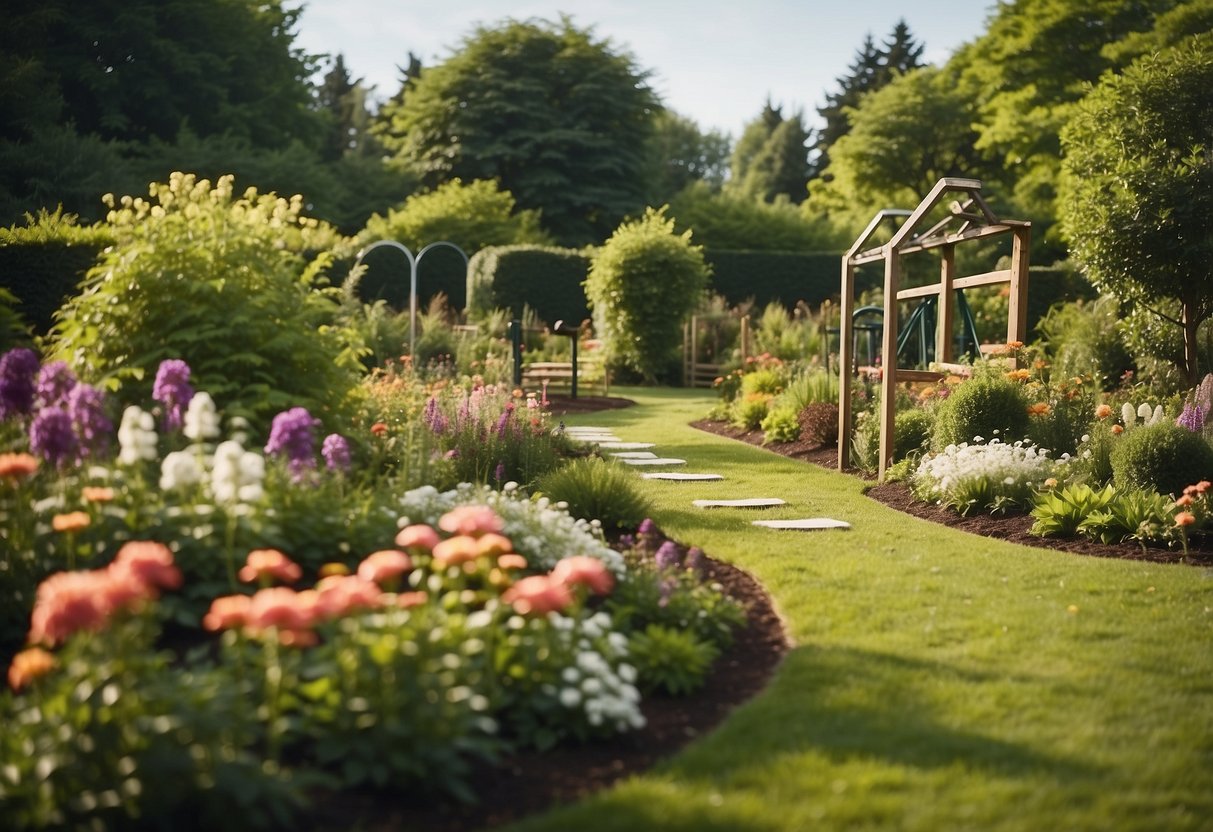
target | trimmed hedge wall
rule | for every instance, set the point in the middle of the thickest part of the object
(782, 276)
(43, 274)
(387, 277)
(546, 279)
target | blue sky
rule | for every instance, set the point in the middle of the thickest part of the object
(716, 62)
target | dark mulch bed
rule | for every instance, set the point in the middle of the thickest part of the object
(531, 782)
(1011, 527)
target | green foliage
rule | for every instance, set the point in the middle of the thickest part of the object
(988, 405)
(780, 425)
(810, 385)
(548, 280)
(203, 276)
(642, 284)
(750, 409)
(1060, 511)
(912, 431)
(472, 216)
(768, 276)
(558, 118)
(1162, 457)
(669, 660)
(678, 154)
(731, 221)
(770, 160)
(1143, 516)
(1087, 338)
(13, 329)
(1137, 179)
(595, 489)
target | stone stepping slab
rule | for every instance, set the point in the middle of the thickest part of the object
(625, 455)
(753, 502)
(677, 477)
(661, 460)
(591, 439)
(804, 524)
(626, 446)
(586, 429)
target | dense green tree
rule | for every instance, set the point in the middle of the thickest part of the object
(558, 117)
(727, 220)
(872, 68)
(678, 154)
(1137, 200)
(343, 100)
(904, 137)
(771, 159)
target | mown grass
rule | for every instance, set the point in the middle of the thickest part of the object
(938, 681)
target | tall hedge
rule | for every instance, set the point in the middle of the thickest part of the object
(545, 278)
(781, 276)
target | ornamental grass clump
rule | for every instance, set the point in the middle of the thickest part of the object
(982, 475)
(595, 489)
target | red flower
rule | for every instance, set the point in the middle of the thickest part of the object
(270, 564)
(280, 607)
(583, 570)
(28, 665)
(343, 595)
(379, 428)
(538, 594)
(148, 562)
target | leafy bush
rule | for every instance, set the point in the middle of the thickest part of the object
(780, 425)
(1086, 338)
(595, 489)
(670, 660)
(1059, 512)
(748, 228)
(643, 282)
(201, 275)
(987, 406)
(908, 428)
(750, 409)
(912, 432)
(819, 423)
(1161, 457)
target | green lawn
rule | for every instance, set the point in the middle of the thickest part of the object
(938, 680)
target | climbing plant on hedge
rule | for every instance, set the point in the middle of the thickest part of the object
(204, 276)
(642, 284)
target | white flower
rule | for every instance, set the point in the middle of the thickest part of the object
(179, 469)
(201, 420)
(1128, 414)
(570, 697)
(136, 436)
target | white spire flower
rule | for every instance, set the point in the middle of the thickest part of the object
(201, 418)
(136, 436)
(179, 470)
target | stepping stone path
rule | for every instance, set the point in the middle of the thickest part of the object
(625, 446)
(626, 455)
(755, 502)
(657, 460)
(676, 477)
(805, 524)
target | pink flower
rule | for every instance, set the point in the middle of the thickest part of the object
(417, 537)
(471, 520)
(408, 600)
(384, 566)
(456, 550)
(270, 564)
(538, 595)
(346, 594)
(1185, 518)
(512, 561)
(583, 570)
(279, 607)
(147, 562)
(227, 612)
(68, 602)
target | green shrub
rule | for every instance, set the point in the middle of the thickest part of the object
(988, 406)
(202, 275)
(1162, 457)
(548, 280)
(642, 284)
(1087, 338)
(669, 660)
(598, 490)
(780, 425)
(1060, 512)
(912, 432)
(750, 409)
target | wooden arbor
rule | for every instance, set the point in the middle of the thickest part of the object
(974, 221)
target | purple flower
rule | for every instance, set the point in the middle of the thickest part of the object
(1192, 417)
(667, 589)
(336, 452)
(55, 381)
(626, 541)
(502, 422)
(291, 437)
(499, 472)
(694, 560)
(86, 406)
(647, 527)
(51, 436)
(18, 369)
(668, 556)
(172, 389)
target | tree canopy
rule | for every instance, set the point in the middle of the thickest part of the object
(679, 154)
(1137, 200)
(771, 157)
(558, 117)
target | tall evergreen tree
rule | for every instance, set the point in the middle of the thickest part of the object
(778, 166)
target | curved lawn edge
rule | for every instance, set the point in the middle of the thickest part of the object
(939, 680)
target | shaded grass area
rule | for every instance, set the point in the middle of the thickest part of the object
(939, 680)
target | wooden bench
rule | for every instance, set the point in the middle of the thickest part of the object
(591, 373)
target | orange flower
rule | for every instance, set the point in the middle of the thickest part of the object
(342, 595)
(97, 494)
(147, 562)
(227, 612)
(512, 561)
(1185, 501)
(1185, 518)
(270, 564)
(927, 393)
(334, 569)
(583, 570)
(1203, 486)
(17, 466)
(1018, 375)
(494, 544)
(456, 550)
(517, 393)
(472, 520)
(418, 537)
(384, 566)
(1118, 429)
(379, 428)
(1038, 409)
(28, 665)
(73, 521)
(280, 607)
(1051, 482)
(1040, 364)
(538, 594)
(1103, 411)
(68, 602)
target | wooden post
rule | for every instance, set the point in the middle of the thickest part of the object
(694, 351)
(888, 358)
(1017, 310)
(947, 306)
(845, 310)
(745, 339)
(686, 366)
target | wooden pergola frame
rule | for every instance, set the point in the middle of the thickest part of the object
(976, 222)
